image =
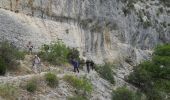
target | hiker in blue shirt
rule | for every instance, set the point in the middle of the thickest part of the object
(75, 63)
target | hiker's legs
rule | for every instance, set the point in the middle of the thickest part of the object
(30, 50)
(88, 68)
(39, 68)
(74, 69)
(35, 68)
(92, 67)
(77, 69)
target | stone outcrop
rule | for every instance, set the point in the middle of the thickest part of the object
(96, 27)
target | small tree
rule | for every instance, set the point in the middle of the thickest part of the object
(9, 54)
(2, 66)
(153, 77)
(55, 53)
(81, 84)
(106, 72)
(77, 98)
(31, 86)
(51, 79)
(58, 53)
(123, 93)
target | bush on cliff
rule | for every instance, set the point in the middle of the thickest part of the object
(51, 79)
(55, 53)
(77, 98)
(153, 77)
(106, 72)
(9, 54)
(9, 92)
(58, 53)
(123, 93)
(81, 84)
(2, 66)
(32, 85)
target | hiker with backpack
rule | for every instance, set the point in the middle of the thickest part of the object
(92, 65)
(75, 64)
(36, 64)
(30, 47)
(88, 65)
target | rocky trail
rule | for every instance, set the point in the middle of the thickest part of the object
(102, 88)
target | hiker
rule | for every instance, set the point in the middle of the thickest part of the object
(88, 65)
(30, 47)
(75, 63)
(92, 65)
(36, 64)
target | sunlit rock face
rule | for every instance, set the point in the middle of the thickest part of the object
(103, 30)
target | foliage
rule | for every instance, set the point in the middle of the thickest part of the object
(153, 77)
(147, 24)
(76, 98)
(123, 93)
(51, 79)
(9, 55)
(84, 23)
(8, 92)
(31, 86)
(162, 50)
(2, 66)
(126, 11)
(129, 6)
(55, 53)
(161, 9)
(81, 84)
(106, 72)
(58, 53)
(165, 2)
(73, 53)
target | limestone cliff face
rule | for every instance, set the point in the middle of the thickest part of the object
(111, 30)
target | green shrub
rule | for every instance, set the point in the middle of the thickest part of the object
(129, 6)
(73, 53)
(81, 84)
(76, 98)
(123, 93)
(58, 53)
(153, 77)
(140, 76)
(55, 53)
(161, 60)
(31, 86)
(9, 55)
(126, 11)
(165, 2)
(51, 79)
(106, 72)
(147, 24)
(161, 9)
(2, 66)
(162, 50)
(8, 92)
